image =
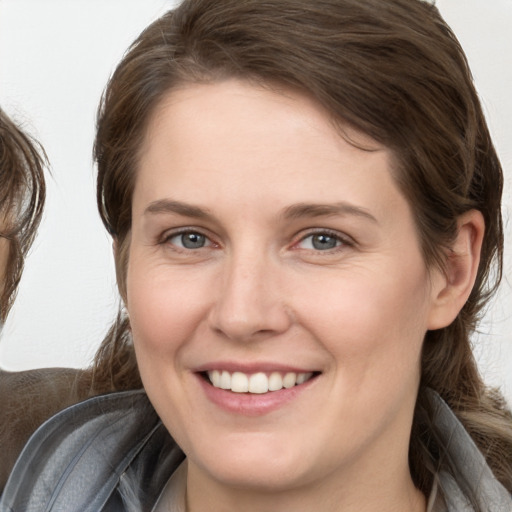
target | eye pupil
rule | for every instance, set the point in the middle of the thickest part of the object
(193, 240)
(324, 242)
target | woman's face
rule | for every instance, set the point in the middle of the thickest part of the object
(267, 252)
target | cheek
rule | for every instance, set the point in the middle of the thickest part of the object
(165, 307)
(164, 311)
(370, 322)
(374, 332)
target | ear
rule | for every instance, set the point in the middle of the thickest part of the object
(451, 288)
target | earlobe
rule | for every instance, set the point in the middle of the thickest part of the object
(452, 287)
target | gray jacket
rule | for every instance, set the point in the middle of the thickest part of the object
(86, 458)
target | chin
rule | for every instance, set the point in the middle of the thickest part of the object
(258, 476)
(258, 468)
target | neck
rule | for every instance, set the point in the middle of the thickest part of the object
(392, 492)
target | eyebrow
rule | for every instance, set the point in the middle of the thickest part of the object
(296, 211)
(301, 210)
(170, 206)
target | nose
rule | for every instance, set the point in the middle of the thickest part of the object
(250, 303)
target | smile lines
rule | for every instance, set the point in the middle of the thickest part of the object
(259, 383)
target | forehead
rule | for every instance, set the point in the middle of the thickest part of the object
(233, 139)
(233, 98)
(245, 116)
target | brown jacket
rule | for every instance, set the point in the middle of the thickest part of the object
(28, 399)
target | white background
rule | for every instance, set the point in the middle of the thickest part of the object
(55, 58)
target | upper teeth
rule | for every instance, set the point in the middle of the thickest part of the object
(257, 382)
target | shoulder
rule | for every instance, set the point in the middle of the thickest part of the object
(465, 479)
(43, 392)
(75, 460)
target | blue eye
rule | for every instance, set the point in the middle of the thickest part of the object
(189, 240)
(320, 242)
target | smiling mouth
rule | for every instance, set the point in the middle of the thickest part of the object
(257, 383)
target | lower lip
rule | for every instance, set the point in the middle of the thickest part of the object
(252, 404)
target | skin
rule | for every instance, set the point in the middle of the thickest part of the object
(259, 292)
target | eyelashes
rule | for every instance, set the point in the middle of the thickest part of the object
(188, 240)
(323, 240)
(317, 240)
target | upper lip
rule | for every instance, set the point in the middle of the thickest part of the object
(252, 367)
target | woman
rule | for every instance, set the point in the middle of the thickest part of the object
(305, 207)
(22, 194)
(44, 391)
(28, 398)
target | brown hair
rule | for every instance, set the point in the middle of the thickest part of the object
(392, 69)
(22, 195)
